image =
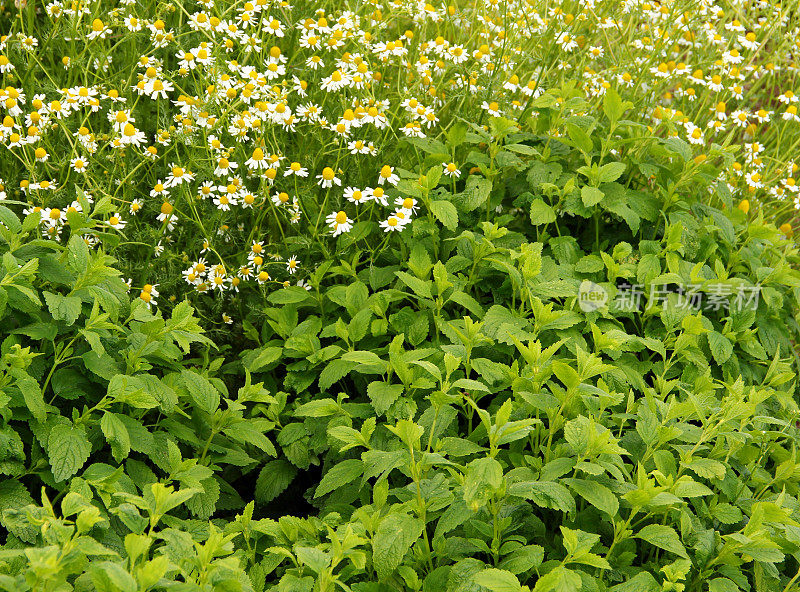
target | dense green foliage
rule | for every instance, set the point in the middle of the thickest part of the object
(444, 416)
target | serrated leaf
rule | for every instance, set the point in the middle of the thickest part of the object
(68, 449)
(445, 213)
(63, 308)
(591, 196)
(611, 171)
(393, 538)
(383, 395)
(340, 474)
(541, 213)
(596, 494)
(117, 435)
(202, 392)
(721, 347)
(663, 537)
(273, 479)
(706, 468)
(497, 580)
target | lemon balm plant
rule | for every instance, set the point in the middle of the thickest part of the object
(242, 143)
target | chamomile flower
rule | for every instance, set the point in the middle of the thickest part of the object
(339, 222)
(387, 175)
(328, 179)
(99, 30)
(78, 164)
(116, 222)
(451, 170)
(292, 264)
(296, 169)
(392, 224)
(409, 205)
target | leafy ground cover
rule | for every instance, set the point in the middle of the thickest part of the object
(495, 296)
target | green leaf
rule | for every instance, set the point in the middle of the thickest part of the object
(445, 213)
(117, 435)
(596, 494)
(679, 147)
(289, 295)
(611, 171)
(475, 194)
(591, 196)
(727, 513)
(340, 474)
(63, 308)
(721, 347)
(497, 580)
(545, 494)
(612, 105)
(110, 576)
(67, 448)
(264, 357)
(420, 287)
(589, 264)
(580, 138)
(32, 394)
(273, 479)
(523, 559)
(316, 559)
(202, 392)
(393, 538)
(541, 213)
(383, 395)
(77, 254)
(642, 582)
(663, 537)
(708, 468)
(559, 579)
(251, 431)
(722, 585)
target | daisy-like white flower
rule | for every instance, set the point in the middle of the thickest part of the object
(225, 167)
(262, 277)
(116, 222)
(791, 113)
(292, 264)
(451, 170)
(378, 194)
(132, 136)
(409, 205)
(135, 207)
(257, 161)
(392, 224)
(740, 118)
(159, 189)
(178, 175)
(99, 30)
(296, 169)
(387, 175)
(5, 64)
(78, 164)
(339, 222)
(695, 135)
(355, 195)
(328, 179)
(492, 108)
(225, 201)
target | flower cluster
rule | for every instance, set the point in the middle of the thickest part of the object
(221, 130)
